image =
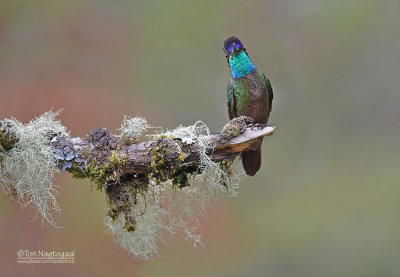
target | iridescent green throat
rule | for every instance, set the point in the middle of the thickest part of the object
(240, 65)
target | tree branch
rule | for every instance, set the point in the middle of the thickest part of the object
(74, 154)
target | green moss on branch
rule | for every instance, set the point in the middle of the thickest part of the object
(235, 127)
(100, 173)
(167, 158)
(7, 143)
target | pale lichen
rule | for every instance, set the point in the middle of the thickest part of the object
(150, 224)
(27, 169)
(132, 128)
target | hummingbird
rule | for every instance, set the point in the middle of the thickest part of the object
(249, 93)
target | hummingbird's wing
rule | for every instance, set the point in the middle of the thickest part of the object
(231, 101)
(270, 92)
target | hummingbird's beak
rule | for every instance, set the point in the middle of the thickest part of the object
(234, 48)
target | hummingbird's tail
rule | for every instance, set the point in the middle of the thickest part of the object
(251, 160)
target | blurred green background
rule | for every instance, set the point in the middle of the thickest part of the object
(326, 202)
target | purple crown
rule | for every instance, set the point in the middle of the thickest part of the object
(231, 45)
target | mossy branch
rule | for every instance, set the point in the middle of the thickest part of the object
(100, 155)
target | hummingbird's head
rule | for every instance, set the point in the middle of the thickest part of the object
(232, 46)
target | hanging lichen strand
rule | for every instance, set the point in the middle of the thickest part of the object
(171, 197)
(163, 184)
(27, 162)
